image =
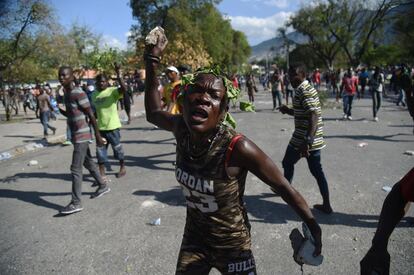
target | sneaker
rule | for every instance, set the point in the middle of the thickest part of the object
(67, 142)
(344, 116)
(349, 118)
(100, 192)
(376, 119)
(71, 208)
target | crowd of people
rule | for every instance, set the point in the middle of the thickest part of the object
(212, 159)
(344, 85)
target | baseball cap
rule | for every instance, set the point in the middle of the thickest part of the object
(172, 69)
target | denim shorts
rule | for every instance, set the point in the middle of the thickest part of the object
(112, 137)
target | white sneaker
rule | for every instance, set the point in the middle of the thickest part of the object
(344, 116)
(349, 118)
(376, 119)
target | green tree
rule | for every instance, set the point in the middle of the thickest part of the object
(404, 29)
(310, 22)
(21, 25)
(197, 32)
(353, 23)
(84, 40)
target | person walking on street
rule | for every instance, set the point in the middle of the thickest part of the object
(77, 109)
(277, 88)
(376, 84)
(44, 107)
(288, 88)
(251, 87)
(170, 89)
(307, 140)
(105, 100)
(363, 81)
(350, 86)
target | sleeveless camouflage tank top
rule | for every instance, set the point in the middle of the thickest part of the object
(215, 207)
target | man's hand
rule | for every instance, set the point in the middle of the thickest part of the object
(316, 232)
(284, 109)
(100, 141)
(304, 149)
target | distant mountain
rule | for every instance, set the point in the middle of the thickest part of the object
(274, 46)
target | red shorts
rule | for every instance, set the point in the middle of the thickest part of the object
(407, 186)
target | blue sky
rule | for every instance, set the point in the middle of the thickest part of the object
(258, 19)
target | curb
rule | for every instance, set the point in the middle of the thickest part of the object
(31, 147)
(50, 141)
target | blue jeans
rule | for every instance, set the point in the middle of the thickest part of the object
(401, 97)
(376, 102)
(276, 94)
(348, 99)
(292, 156)
(112, 137)
(44, 119)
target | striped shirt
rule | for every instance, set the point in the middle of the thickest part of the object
(76, 102)
(305, 101)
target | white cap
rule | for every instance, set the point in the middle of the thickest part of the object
(172, 69)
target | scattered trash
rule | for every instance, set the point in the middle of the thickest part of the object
(33, 146)
(156, 222)
(149, 203)
(386, 188)
(283, 129)
(410, 153)
(33, 162)
(362, 144)
(355, 239)
(5, 155)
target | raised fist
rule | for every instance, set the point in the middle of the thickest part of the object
(155, 42)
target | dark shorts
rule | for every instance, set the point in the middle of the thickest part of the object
(195, 258)
(114, 138)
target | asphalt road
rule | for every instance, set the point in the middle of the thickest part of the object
(113, 235)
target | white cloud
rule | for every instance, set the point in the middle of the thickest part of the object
(109, 41)
(274, 3)
(259, 29)
(277, 3)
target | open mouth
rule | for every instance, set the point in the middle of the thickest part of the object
(199, 114)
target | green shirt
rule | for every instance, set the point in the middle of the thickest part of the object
(305, 101)
(106, 108)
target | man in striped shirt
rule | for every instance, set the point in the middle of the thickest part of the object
(78, 109)
(307, 140)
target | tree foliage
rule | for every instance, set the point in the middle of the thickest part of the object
(310, 21)
(347, 27)
(197, 32)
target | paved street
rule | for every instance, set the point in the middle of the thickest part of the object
(113, 235)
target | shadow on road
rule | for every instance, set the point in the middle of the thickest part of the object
(21, 136)
(172, 197)
(33, 197)
(150, 162)
(149, 128)
(43, 175)
(163, 141)
(372, 137)
(265, 211)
